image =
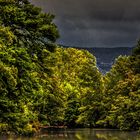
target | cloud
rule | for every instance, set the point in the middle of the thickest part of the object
(95, 23)
(97, 9)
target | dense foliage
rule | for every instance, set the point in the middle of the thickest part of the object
(43, 84)
(122, 95)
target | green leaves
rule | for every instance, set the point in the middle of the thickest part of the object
(6, 36)
(30, 26)
(122, 94)
(42, 83)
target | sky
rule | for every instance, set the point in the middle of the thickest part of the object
(95, 23)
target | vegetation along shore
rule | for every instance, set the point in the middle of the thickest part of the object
(44, 84)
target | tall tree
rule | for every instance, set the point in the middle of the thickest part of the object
(122, 94)
(28, 23)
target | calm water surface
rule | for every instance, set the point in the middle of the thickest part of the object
(81, 134)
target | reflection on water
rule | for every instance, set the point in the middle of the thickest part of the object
(81, 134)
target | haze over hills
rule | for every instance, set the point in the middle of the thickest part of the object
(106, 56)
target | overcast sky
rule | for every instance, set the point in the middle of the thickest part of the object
(95, 23)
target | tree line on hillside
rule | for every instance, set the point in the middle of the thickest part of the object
(43, 84)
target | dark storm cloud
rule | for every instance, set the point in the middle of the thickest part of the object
(95, 23)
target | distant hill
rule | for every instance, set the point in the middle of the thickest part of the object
(106, 56)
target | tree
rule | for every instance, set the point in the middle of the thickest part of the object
(28, 23)
(24, 32)
(122, 95)
(91, 93)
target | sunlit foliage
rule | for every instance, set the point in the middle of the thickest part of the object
(44, 84)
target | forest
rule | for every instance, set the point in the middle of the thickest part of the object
(44, 84)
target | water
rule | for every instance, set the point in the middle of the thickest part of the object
(80, 134)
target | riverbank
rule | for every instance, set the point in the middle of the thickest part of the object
(80, 134)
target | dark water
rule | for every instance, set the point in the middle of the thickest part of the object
(80, 134)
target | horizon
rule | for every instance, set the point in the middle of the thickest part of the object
(96, 47)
